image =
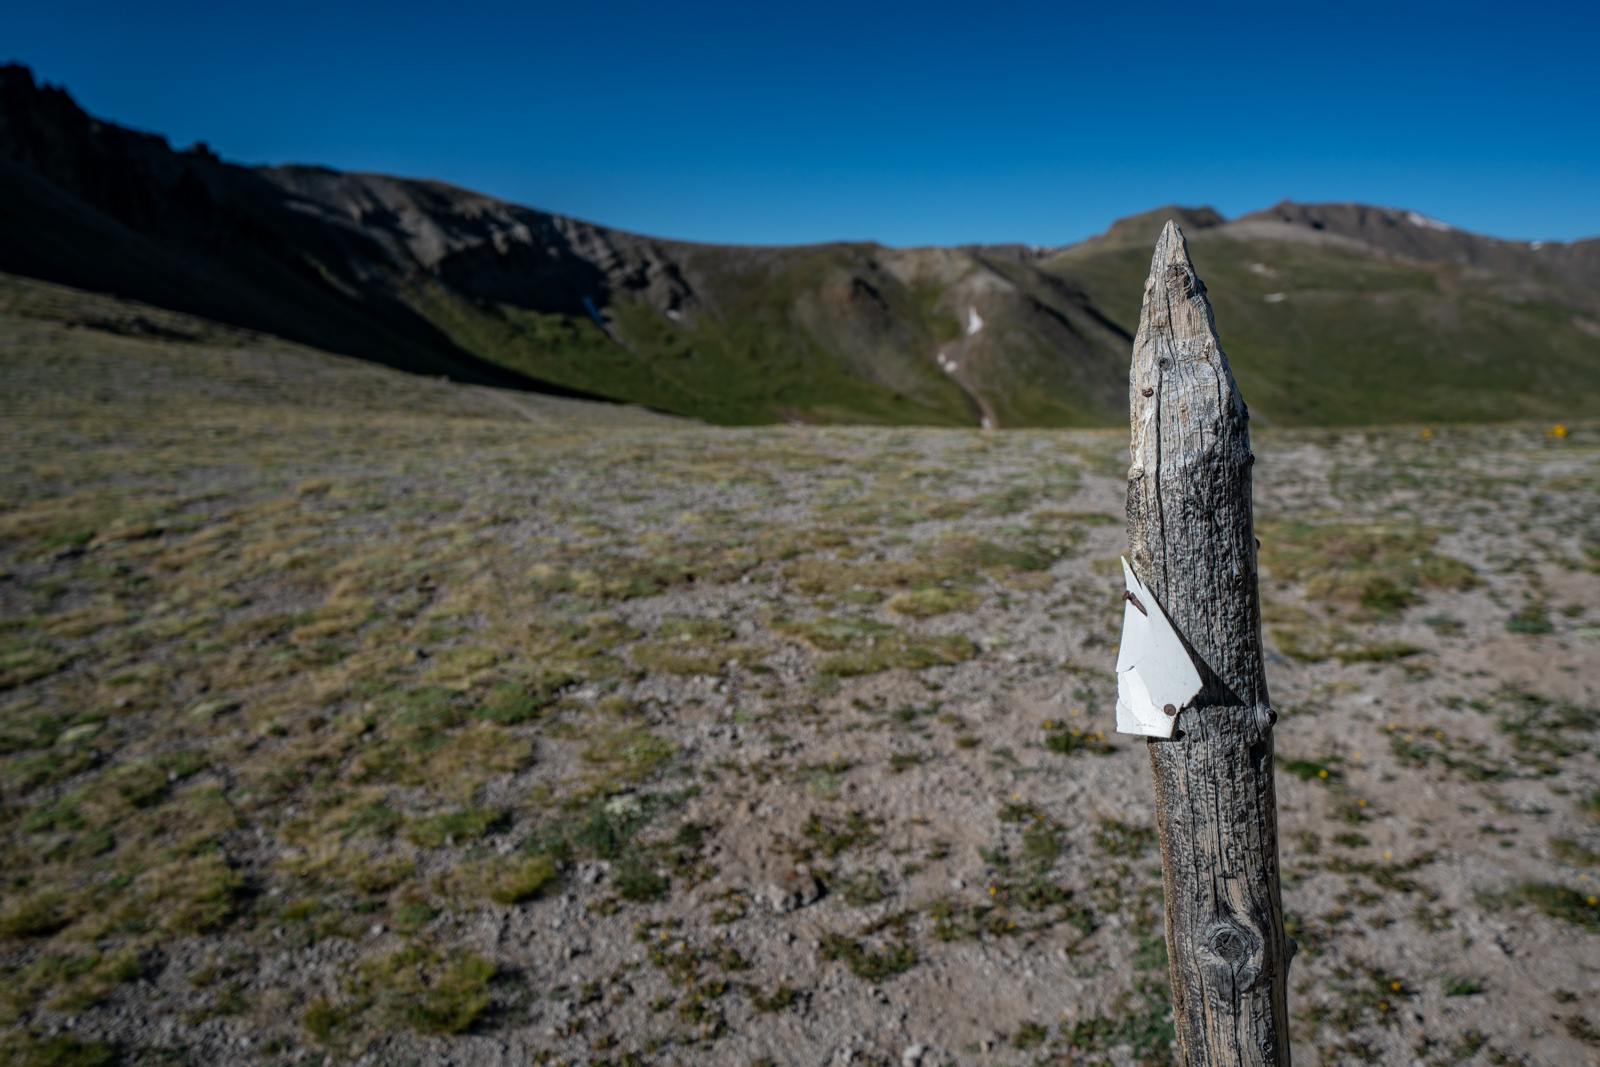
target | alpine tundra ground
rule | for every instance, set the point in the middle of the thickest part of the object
(354, 717)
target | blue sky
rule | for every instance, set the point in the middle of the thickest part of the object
(914, 123)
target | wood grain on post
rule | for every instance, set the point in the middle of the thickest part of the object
(1192, 543)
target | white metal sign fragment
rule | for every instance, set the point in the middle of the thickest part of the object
(1155, 676)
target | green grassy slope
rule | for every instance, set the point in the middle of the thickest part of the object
(756, 360)
(827, 334)
(1350, 335)
(77, 355)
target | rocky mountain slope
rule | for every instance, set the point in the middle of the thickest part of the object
(1330, 313)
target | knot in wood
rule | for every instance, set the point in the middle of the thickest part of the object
(1230, 944)
(1236, 950)
(1185, 280)
(1266, 719)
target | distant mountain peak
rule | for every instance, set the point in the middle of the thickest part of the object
(1409, 234)
(1351, 219)
(1143, 229)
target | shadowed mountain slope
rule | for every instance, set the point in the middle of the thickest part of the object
(99, 207)
(439, 280)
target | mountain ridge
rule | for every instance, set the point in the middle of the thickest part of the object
(437, 279)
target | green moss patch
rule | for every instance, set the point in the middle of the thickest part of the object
(1380, 568)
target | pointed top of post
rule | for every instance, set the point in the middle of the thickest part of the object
(1176, 318)
(1176, 327)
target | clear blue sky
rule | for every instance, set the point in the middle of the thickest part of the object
(908, 123)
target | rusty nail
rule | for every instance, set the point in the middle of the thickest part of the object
(1170, 710)
(1127, 594)
(1147, 391)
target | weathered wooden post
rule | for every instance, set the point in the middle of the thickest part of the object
(1193, 550)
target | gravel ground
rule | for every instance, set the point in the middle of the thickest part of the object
(469, 736)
